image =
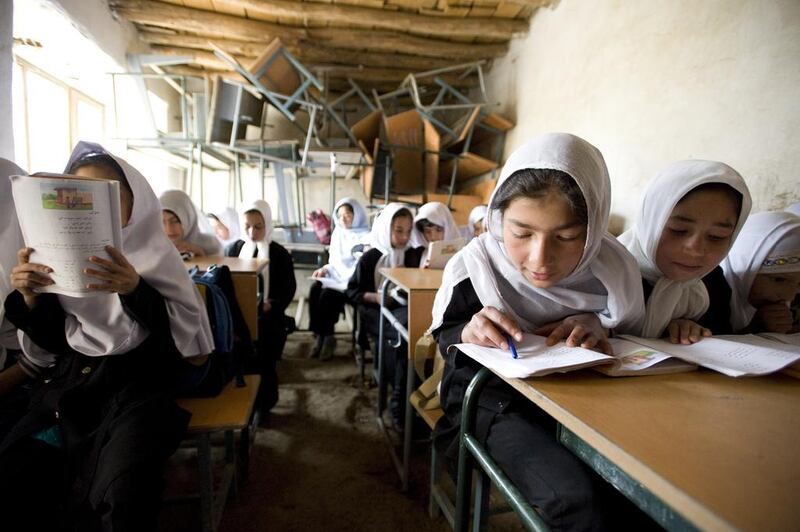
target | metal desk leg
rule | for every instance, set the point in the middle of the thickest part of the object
(381, 377)
(409, 418)
(206, 483)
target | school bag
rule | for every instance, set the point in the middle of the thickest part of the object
(233, 346)
(321, 224)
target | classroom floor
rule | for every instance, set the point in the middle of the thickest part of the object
(319, 461)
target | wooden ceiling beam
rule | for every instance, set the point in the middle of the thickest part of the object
(304, 53)
(402, 21)
(389, 75)
(192, 20)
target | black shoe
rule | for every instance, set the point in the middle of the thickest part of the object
(317, 347)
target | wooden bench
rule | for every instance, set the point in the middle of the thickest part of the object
(226, 413)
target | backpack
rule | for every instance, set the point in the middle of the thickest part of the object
(233, 346)
(321, 224)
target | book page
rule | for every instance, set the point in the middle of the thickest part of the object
(536, 359)
(635, 359)
(442, 251)
(66, 220)
(733, 358)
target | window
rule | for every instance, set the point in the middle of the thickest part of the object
(50, 117)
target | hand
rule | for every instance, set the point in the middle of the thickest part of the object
(321, 272)
(119, 275)
(184, 246)
(28, 276)
(580, 330)
(772, 317)
(489, 328)
(372, 297)
(686, 332)
(266, 306)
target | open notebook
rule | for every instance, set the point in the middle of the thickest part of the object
(639, 356)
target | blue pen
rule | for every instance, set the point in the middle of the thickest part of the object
(512, 347)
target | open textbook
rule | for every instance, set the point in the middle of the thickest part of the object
(441, 251)
(66, 220)
(639, 356)
(333, 283)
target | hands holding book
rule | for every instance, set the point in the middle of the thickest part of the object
(118, 275)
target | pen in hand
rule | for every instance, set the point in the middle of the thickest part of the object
(512, 347)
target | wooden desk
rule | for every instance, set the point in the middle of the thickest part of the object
(229, 411)
(421, 286)
(245, 283)
(697, 449)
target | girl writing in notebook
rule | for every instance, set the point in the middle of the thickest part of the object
(90, 450)
(546, 265)
(763, 270)
(276, 284)
(389, 238)
(325, 303)
(184, 224)
(690, 216)
(433, 223)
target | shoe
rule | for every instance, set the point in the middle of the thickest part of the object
(317, 347)
(328, 347)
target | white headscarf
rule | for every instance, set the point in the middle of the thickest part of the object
(769, 243)
(606, 281)
(99, 326)
(10, 235)
(476, 214)
(230, 219)
(381, 237)
(671, 299)
(341, 263)
(249, 246)
(196, 229)
(436, 213)
(794, 209)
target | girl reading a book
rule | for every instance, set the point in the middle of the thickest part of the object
(390, 240)
(102, 421)
(325, 303)
(186, 226)
(476, 218)
(689, 217)
(277, 286)
(763, 270)
(546, 265)
(225, 224)
(434, 222)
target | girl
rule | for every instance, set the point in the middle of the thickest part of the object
(102, 421)
(690, 216)
(182, 224)
(326, 303)
(763, 270)
(546, 265)
(276, 286)
(476, 217)
(390, 237)
(225, 225)
(434, 222)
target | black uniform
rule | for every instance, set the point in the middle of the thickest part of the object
(272, 324)
(520, 437)
(91, 448)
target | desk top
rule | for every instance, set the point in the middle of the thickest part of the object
(236, 264)
(230, 410)
(721, 451)
(414, 278)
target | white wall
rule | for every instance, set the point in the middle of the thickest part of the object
(650, 82)
(6, 61)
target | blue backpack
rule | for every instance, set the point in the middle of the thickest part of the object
(232, 344)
